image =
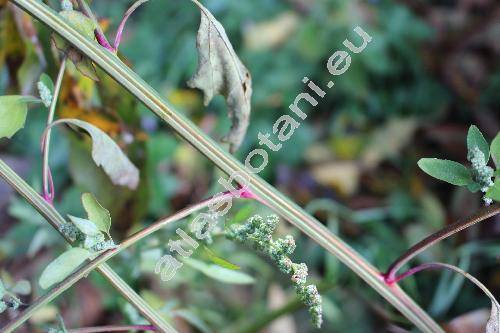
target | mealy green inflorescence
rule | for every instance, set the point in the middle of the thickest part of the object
(258, 232)
(45, 94)
(8, 299)
(481, 172)
(66, 5)
(94, 243)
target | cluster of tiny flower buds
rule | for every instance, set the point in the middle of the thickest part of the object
(8, 299)
(94, 243)
(258, 232)
(481, 172)
(70, 231)
(66, 5)
(45, 94)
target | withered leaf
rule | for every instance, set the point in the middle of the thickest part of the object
(220, 71)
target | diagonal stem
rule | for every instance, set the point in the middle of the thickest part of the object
(48, 184)
(127, 328)
(55, 219)
(230, 165)
(427, 242)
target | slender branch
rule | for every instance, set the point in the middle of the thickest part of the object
(102, 258)
(55, 219)
(113, 329)
(481, 215)
(439, 265)
(282, 205)
(129, 12)
(48, 184)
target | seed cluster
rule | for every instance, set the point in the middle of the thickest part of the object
(481, 172)
(45, 94)
(66, 5)
(8, 299)
(94, 243)
(258, 232)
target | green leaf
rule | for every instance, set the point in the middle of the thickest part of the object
(495, 150)
(13, 111)
(494, 191)
(476, 139)
(85, 226)
(219, 261)
(63, 266)
(107, 154)
(220, 273)
(22, 287)
(96, 213)
(449, 171)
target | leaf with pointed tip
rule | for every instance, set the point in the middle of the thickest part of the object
(449, 171)
(476, 139)
(85, 226)
(108, 155)
(63, 266)
(13, 112)
(495, 150)
(96, 213)
(494, 191)
(220, 71)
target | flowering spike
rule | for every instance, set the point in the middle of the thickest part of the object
(258, 232)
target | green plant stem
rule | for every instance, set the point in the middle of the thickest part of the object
(48, 190)
(124, 328)
(85, 8)
(55, 219)
(481, 215)
(282, 205)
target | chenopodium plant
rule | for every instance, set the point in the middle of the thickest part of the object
(477, 177)
(258, 231)
(92, 234)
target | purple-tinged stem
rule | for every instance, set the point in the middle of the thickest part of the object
(481, 215)
(47, 181)
(101, 39)
(129, 12)
(440, 265)
(114, 329)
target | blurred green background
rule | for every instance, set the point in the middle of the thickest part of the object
(431, 70)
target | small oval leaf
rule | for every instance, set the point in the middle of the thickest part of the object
(449, 171)
(96, 213)
(85, 226)
(63, 266)
(476, 139)
(494, 191)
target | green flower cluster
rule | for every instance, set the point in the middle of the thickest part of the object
(481, 172)
(8, 299)
(258, 232)
(94, 243)
(66, 5)
(45, 94)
